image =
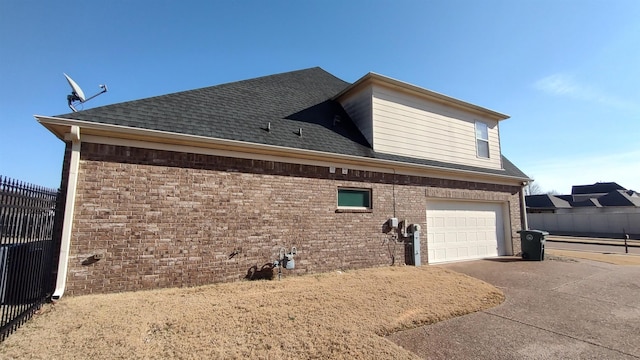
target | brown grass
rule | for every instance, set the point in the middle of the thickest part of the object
(334, 315)
(617, 259)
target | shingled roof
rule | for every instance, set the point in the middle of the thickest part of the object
(597, 188)
(619, 198)
(245, 110)
(613, 198)
(546, 201)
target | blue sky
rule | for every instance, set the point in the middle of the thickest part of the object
(567, 71)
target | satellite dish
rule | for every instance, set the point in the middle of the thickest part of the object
(77, 95)
(76, 91)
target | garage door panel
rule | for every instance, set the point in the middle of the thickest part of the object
(473, 252)
(440, 254)
(437, 222)
(463, 230)
(463, 252)
(450, 237)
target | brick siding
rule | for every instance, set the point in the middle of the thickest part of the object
(170, 219)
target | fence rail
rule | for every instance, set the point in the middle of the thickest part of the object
(27, 227)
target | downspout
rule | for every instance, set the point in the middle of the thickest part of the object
(65, 241)
(523, 208)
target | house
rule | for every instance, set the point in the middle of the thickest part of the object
(593, 191)
(216, 184)
(600, 209)
(545, 203)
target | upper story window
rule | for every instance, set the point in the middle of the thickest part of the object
(482, 140)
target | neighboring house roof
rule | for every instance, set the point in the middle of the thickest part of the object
(567, 198)
(244, 110)
(592, 202)
(597, 188)
(546, 201)
(619, 198)
(613, 198)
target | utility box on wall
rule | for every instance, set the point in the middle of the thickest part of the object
(289, 262)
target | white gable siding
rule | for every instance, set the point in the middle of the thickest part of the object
(359, 108)
(410, 126)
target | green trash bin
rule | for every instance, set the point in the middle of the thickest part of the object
(532, 242)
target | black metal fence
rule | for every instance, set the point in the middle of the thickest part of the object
(27, 222)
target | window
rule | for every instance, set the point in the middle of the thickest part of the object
(482, 140)
(354, 198)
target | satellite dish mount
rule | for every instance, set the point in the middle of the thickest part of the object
(77, 95)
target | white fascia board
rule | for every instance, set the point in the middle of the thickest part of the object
(147, 135)
(421, 92)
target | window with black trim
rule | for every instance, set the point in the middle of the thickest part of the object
(482, 140)
(350, 198)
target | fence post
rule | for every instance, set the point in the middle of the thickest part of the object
(626, 239)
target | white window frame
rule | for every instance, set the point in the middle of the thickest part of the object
(481, 140)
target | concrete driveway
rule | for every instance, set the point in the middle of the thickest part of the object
(555, 309)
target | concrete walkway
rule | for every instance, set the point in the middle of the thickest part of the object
(555, 309)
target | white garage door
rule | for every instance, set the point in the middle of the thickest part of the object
(459, 230)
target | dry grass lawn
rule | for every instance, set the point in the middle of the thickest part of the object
(333, 315)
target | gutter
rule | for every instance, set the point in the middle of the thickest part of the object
(70, 201)
(523, 208)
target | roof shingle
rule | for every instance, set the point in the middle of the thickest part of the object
(597, 188)
(244, 110)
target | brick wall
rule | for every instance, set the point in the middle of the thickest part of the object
(166, 219)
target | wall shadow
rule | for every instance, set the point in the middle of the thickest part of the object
(331, 115)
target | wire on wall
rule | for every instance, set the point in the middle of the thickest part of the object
(393, 186)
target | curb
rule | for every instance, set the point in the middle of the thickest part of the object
(591, 241)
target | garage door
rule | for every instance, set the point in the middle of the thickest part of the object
(464, 230)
